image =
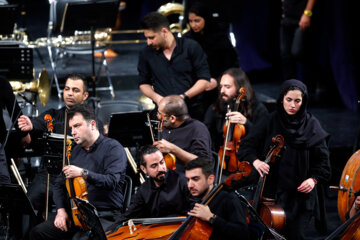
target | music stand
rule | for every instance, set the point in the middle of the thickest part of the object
(13, 198)
(8, 15)
(130, 129)
(89, 15)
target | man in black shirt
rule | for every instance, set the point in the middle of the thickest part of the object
(170, 65)
(101, 162)
(75, 92)
(184, 137)
(224, 212)
(163, 194)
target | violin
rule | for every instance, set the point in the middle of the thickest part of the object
(169, 158)
(49, 122)
(233, 133)
(76, 187)
(271, 213)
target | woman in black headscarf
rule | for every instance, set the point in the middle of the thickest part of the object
(292, 180)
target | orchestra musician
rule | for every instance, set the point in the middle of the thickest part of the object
(75, 92)
(251, 111)
(163, 194)
(101, 162)
(170, 65)
(293, 180)
(224, 213)
(183, 136)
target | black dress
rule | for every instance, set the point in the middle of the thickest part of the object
(306, 155)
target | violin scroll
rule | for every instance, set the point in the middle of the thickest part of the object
(49, 122)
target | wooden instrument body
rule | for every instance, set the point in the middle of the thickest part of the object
(152, 231)
(233, 134)
(197, 229)
(231, 162)
(349, 185)
(271, 213)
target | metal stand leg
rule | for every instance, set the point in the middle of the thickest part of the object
(104, 63)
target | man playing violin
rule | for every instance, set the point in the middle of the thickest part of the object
(101, 161)
(224, 213)
(163, 194)
(75, 92)
(183, 136)
(250, 111)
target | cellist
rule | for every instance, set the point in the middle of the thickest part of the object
(163, 194)
(224, 213)
(101, 162)
(250, 112)
(301, 169)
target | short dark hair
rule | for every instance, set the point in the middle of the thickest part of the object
(145, 150)
(206, 164)
(176, 106)
(85, 110)
(77, 76)
(154, 21)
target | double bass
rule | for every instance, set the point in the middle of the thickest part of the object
(271, 213)
(233, 133)
(349, 188)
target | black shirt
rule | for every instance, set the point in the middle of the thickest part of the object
(230, 221)
(106, 163)
(170, 199)
(175, 76)
(191, 136)
(215, 123)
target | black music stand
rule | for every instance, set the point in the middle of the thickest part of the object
(13, 198)
(130, 129)
(8, 15)
(89, 15)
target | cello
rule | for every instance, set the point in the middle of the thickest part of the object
(194, 228)
(76, 187)
(271, 213)
(175, 228)
(233, 133)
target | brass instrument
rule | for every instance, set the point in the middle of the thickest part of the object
(41, 86)
(175, 8)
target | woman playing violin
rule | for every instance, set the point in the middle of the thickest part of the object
(293, 178)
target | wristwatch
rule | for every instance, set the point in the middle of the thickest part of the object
(212, 219)
(85, 173)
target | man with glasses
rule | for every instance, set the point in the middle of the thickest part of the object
(183, 136)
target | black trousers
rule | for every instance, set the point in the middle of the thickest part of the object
(48, 231)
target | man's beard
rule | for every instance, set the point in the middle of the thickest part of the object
(223, 104)
(160, 179)
(202, 194)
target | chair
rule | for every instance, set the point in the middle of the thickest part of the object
(126, 187)
(64, 46)
(107, 108)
